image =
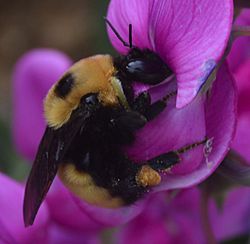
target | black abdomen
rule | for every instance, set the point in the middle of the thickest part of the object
(97, 150)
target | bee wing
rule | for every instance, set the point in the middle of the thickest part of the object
(52, 149)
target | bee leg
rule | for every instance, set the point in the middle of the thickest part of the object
(131, 120)
(157, 107)
(141, 103)
(148, 175)
(169, 159)
(164, 161)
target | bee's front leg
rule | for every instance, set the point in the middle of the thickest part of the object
(142, 104)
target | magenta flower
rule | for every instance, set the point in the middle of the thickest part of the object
(210, 116)
(214, 118)
(241, 142)
(169, 220)
(190, 38)
(239, 63)
(183, 35)
(76, 214)
(240, 51)
(179, 220)
(165, 221)
(193, 168)
(48, 228)
(12, 229)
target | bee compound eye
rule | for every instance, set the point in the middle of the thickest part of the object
(90, 99)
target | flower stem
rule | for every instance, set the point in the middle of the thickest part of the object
(209, 235)
(241, 31)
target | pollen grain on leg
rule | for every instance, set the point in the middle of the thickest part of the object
(148, 177)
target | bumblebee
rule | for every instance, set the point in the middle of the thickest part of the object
(92, 114)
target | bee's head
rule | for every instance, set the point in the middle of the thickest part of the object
(142, 66)
(89, 75)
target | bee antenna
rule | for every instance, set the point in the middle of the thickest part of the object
(130, 36)
(130, 45)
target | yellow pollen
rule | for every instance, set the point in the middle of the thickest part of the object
(148, 177)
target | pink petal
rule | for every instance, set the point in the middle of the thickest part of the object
(61, 235)
(5, 235)
(193, 40)
(171, 130)
(145, 231)
(110, 217)
(81, 216)
(33, 75)
(240, 51)
(123, 13)
(241, 141)
(176, 128)
(172, 220)
(165, 220)
(242, 76)
(68, 214)
(11, 195)
(233, 219)
(190, 37)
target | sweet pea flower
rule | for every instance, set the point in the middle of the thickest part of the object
(211, 116)
(46, 228)
(240, 51)
(239, 63)
(214, 118)
(183, 35)
(190, 37)
(169, 220)
(12, 229)
(241, 142)
(180, 220)
(186, 48)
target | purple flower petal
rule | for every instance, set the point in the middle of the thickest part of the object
(81, 216)
(189, 37)
(170, 130)
(166, 220)
(241, 141)
(123, 13)
(233, 219)
(240, 51)
(172, 220)
(176, 128)
(110, 217)
(34, 74)
(68, 214)
(61, 235)
(11, 195)
(242, 76)
(5, 235)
